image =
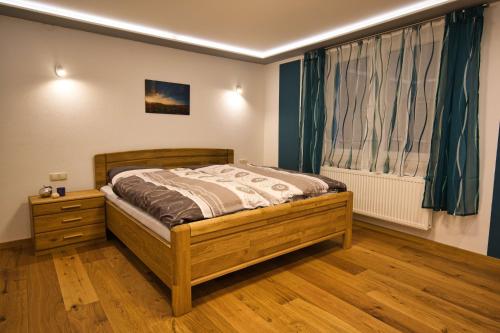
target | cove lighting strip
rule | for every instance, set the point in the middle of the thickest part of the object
(167, 35)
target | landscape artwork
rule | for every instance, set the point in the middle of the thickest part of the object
(167, 97)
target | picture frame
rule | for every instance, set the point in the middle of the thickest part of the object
(167, 97)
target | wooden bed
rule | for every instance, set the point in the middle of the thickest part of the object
(204, 250)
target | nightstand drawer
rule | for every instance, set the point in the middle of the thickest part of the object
(67, 206)
(76, 218)
(52, 239)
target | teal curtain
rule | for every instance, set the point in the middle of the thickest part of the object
(452, 181)
(312, 117)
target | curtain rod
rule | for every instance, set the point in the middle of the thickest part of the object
(384, 32)
(390, 31)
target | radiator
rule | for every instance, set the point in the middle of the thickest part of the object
(386, 197)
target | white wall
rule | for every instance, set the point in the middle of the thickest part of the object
(49, 124)
(470, 233)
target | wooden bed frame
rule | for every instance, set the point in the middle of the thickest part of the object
(204, 250)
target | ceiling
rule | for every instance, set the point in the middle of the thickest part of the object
(257, 29)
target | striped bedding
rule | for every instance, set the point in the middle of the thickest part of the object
(183, 195)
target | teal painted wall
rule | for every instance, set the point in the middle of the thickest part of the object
(494, 238)
(289, 106)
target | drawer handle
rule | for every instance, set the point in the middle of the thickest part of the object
(71, 207)
(75, 219)
(72, 236)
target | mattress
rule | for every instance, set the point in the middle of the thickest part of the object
(144, 218)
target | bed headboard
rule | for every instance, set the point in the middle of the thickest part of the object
(174, 157)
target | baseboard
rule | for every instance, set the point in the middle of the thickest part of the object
(424, 241)
(404, 229)
(16, 243)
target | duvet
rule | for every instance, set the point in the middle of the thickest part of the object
(183, 195)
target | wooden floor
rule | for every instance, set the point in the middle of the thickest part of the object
(382, 284)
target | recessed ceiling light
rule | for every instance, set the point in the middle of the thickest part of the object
(167, 35)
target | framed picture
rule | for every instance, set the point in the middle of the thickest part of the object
(167, 97)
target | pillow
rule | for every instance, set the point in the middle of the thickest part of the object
(114, 171)
(194, 167)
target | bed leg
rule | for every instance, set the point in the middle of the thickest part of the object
(181, 299)
(181, 286)
(348, 232)
(347, 239)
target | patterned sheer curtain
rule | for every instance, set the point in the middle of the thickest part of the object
(380, 101)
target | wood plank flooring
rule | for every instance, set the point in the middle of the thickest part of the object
(383, 284)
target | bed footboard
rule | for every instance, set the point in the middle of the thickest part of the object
(211, 248)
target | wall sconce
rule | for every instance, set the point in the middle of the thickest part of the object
(60, 71)
(238, 90)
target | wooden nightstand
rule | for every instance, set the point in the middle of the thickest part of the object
(73, 220)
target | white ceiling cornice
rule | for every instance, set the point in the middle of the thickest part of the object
(201, 43)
